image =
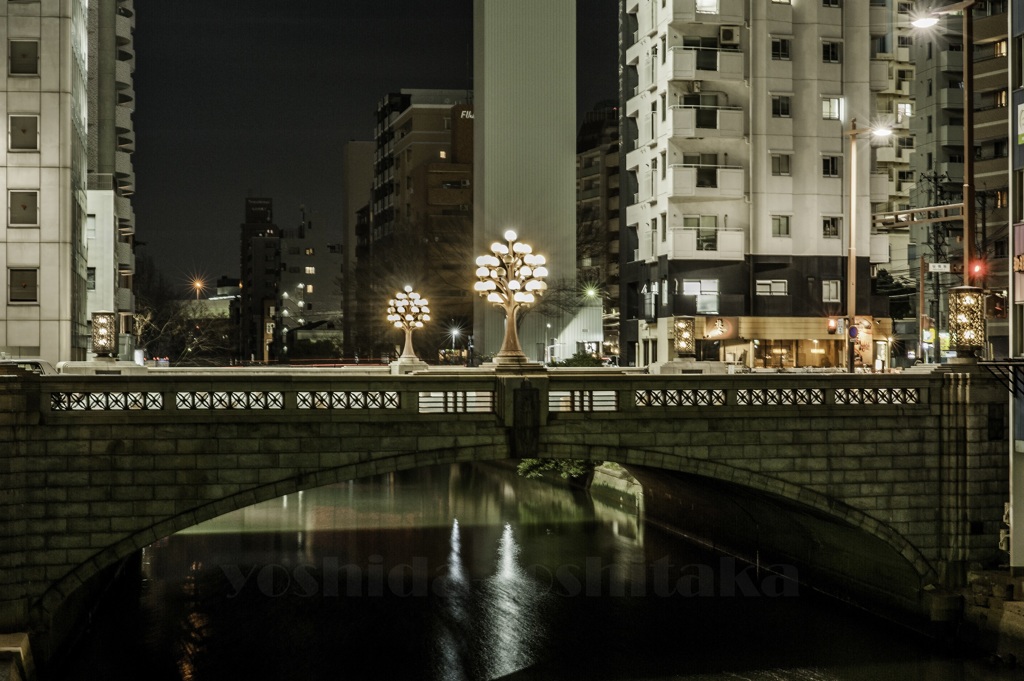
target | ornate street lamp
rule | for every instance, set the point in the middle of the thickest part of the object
(408, 311)
(511, 278)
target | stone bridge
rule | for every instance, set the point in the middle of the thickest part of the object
(96, 467)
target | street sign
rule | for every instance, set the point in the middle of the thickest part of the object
(938, 267)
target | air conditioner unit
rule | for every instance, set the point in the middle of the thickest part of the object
(729, 35)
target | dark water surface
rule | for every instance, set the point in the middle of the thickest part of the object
(469, 572)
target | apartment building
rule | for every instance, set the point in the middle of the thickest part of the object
(597, 215)
(43, 308)
(738, 180)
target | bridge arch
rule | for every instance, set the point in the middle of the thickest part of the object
(51, 601)
(803, 496)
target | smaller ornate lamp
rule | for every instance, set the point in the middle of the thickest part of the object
(104, 334)
(685, 342)
(966, 319)
(408, 311)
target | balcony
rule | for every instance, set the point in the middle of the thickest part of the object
(706, 181)
(706, 121)
(951, 135)
(879, 187)
(728, 11)
(125, 301)
(125, 257)
(879, 75)
(951, 98)
(692, 63)
(688, 243)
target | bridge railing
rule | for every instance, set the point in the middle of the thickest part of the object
(471, 393)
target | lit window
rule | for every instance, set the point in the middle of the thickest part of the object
(830, 108)
(830, 291)
(309, 288)
(23, 285)
(310, 269)
(310, 251)
(442, 154)
(780, 225)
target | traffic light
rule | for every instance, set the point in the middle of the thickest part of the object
(978, 268)
(833, 324)
(995, 306)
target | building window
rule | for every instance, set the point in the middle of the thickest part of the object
(830, 291)
(831, 225)
(772, 287)
(781, 2)
(706, 227)
(905, 7)
(904, 110)
(999, 48)
(830, 52)
(90, 279)
(780, 164)
(310, 251)
(23, 285)
(23, 57)
(664, 226)
(23, 133)
(442, 154)
(310, 269)
(780, 106)
(781, 48)
(830, 166)
(830, 108)
(780, 225)
(904, 41)
(706, 292)
(309, 288)
(23, 208)
(831, 3)
(707, 6)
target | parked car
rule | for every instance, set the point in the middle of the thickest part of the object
(34, 365)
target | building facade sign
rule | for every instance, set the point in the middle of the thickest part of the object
(721, 328)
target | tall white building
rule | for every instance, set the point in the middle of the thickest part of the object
(44, 161)
(738, 179)
(524, 161)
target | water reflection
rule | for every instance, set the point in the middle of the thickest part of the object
(456, 573)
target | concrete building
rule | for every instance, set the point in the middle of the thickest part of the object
(597, 214)
(43, 305)
(309, 286)
(524, 169)
(357, 177)
(416, 229)
(938, 165)
(260, 268)
(110, 225)
(738, 180)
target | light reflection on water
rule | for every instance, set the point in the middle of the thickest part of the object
(284, 590)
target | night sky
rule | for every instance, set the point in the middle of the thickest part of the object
(238, 98)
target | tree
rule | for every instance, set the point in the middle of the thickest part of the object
(565, 468)
(900, 293)
(185, 331)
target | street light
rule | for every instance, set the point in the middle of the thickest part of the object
(511, 278)
(454, 333)
(408, 311)
(963, 299)
(927, 21)
(198, 285)
(851, 259)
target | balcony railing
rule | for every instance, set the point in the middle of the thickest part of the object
(701, 63)
(706, 181)
(706, 121)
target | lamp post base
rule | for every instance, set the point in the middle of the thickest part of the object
(513, 363)
(407, 365)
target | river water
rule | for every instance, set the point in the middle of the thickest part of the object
(470, 572)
